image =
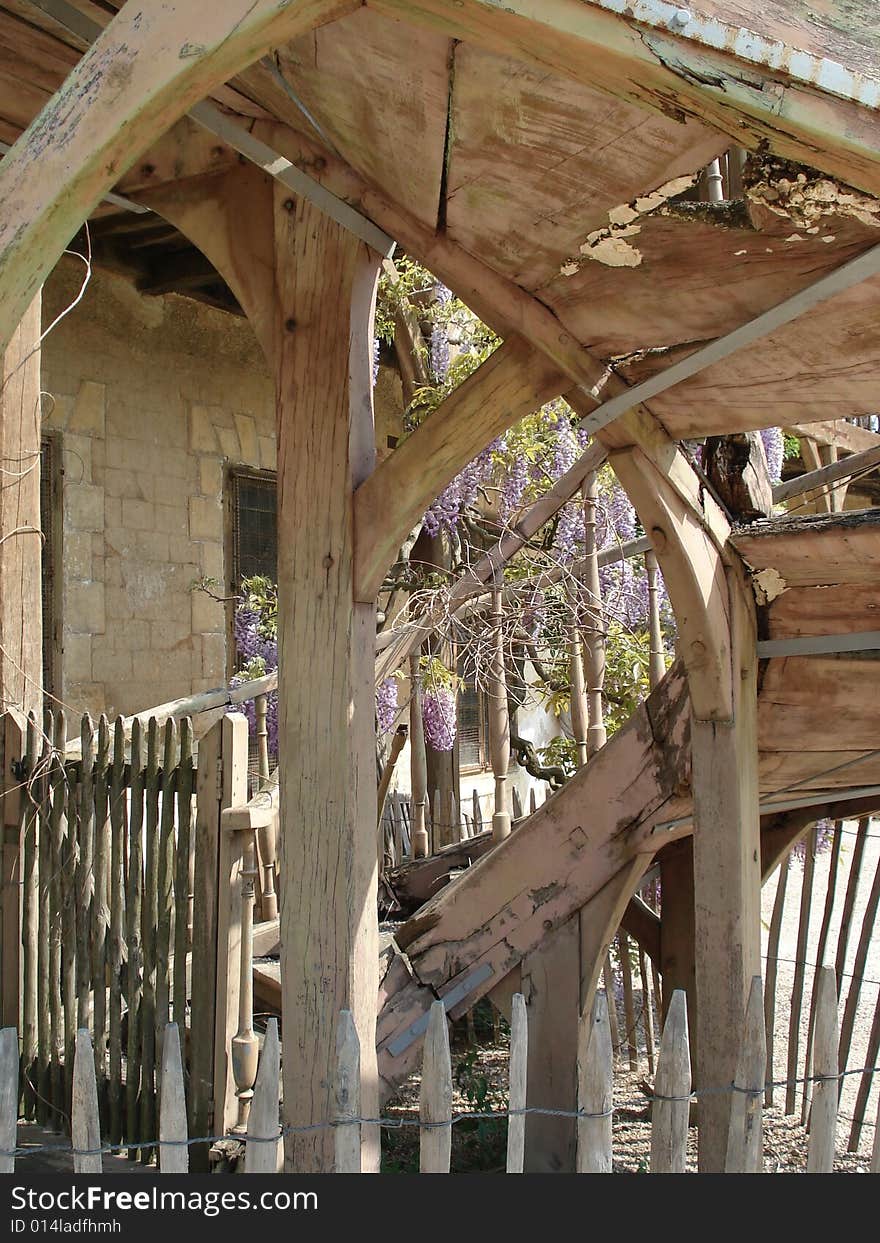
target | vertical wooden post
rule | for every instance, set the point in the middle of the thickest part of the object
(518, 1083)
(657, 658)
(744, 1152)
(173, 1149)
(672, 1089)
(21, 606)
(797, 988)
(770, 975)
(677, 928)
(580, 715)
(551, 984)
(347, 1131)
(823, 1115)
(499, 723)
(12, 785)
(595, 1090)
(245, 1045)
(8, 1098)
(325, 281)
(594, 624)
(435, 1105)
(234, 743)
(418, 764)
(727, 874)
(261, 1156)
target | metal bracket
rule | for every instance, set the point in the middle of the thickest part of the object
(820, 644)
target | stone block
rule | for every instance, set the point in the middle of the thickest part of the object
(152, 546)
(89, 409)
(84, 507)
(227, 438)
(84, 607)
(138, 515)
(207, 615)
(214, 658)
(210, 476)
(77, 453)
(171, 519)
(205, 518)
(249, 447)
(212, 561)
(202, 438)
(268, 453)
(77, 657)
(78, 554)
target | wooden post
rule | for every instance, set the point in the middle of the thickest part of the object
(672, 1090)
(771, 972)
(518, 1072)
(261, 708)
(8, 1098)
(261, 1155)
(12, 805)
(595, 1090)
(347, 1131)
(234, 734)
(821, 947)
(85, 1125)
(435, 1109)
(418, 763)
(823, 1112)
(797, 988)
(245, 1050)
(173, 1150)
(743, 1146)
(325, 283)
(499, 723)
(21, 602)
(727, 874)
(657, 658)
(551, 976)
(594, 624)
(580, 717)
(630, 1041)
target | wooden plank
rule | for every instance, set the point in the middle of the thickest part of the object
(802, 550)
(744, 1151)
(85, 872)
(84, 1120)
(435, 1097)
(261, 1156)
(630, 1035)
(100, 908)
(866, 1081)
(134, 940)
(234, 743)
(850, 1010)
(185, 782)
(595, 1096)
(849, 899)
(204, 951)
(165, 880)
(64, 951)
(149, 924)
(14, 743)
(823, 1115)
(173, 1150)
(115, 943)
(347, 1131)
(46, 983)
(517, 1084)
(670, 1109)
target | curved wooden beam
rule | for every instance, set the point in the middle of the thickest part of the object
(153, 62)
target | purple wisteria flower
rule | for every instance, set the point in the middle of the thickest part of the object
(386, 705)
(438, 715)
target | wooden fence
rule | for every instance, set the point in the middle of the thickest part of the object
(123, 907)
(670, 1104)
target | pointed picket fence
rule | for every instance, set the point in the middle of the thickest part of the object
(671, 1101)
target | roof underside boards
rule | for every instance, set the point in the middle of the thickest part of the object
(537, 161)
(551, 182)
(817, 550)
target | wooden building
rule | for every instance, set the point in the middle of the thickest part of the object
(534, 157)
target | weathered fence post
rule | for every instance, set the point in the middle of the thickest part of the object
(14, 796)
(595, 1090)
(85, 1125)
(221, 782)
(347, 1130)
(823, 1111)
(519, 1061)
(261, 1155)
(418, 764)
(435, 1108)
(8, 1098)
(672, 1090)
(744, 1148)
(173, 1150)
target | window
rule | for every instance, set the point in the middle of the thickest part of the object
(473, 726)
(254, 525)
(50, 510)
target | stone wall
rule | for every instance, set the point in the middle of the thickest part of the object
(153, 399)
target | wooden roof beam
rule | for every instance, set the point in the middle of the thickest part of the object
(759, 89)
(146, 69)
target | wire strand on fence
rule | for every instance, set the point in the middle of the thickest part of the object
(391, 1123)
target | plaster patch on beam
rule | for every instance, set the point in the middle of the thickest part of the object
(608, 245)
(768, 585)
